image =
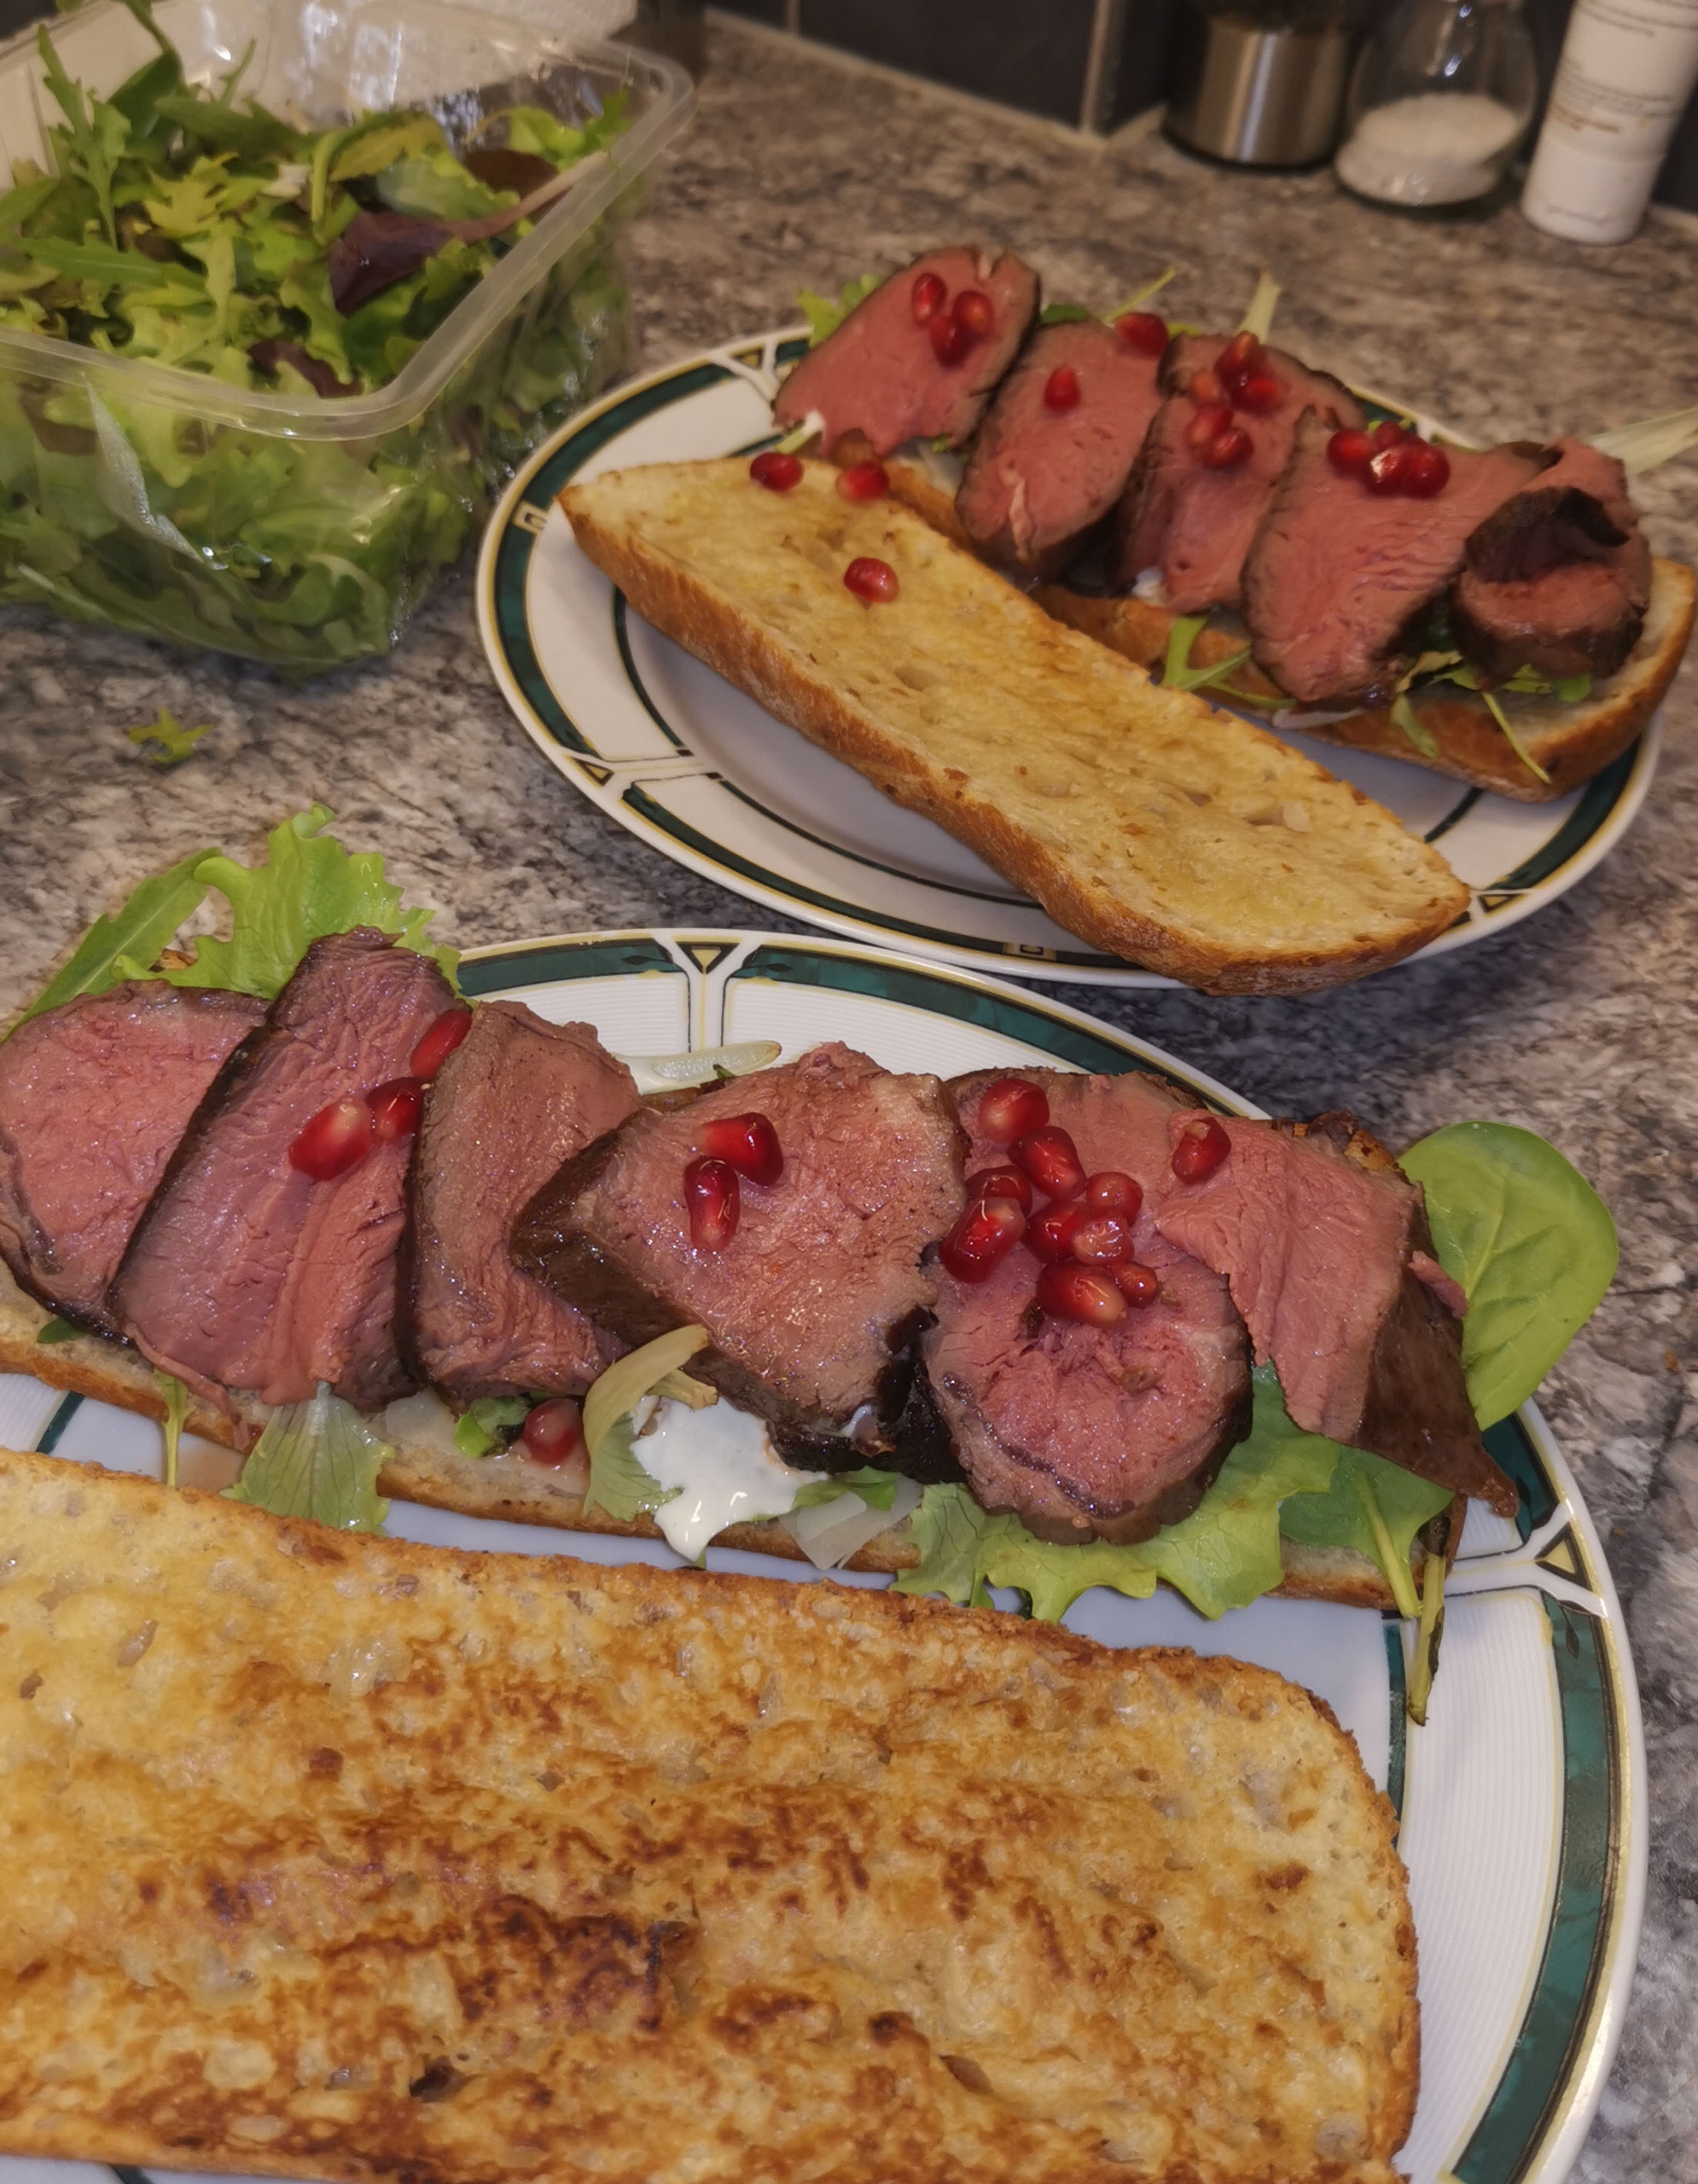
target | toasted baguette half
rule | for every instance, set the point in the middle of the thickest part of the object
(1154, 827)
(517, 1492)
(1571, 742)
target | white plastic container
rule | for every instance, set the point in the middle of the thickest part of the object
(382, 490)
(1627, 70)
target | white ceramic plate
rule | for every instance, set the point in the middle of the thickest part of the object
(700, 773)
(1523, 1799)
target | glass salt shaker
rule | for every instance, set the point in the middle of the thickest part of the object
(1438, 102)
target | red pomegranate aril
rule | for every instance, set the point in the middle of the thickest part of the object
(1227, 449)
(1078, 1293)
(553, 1432)
(776, 470)
(1101, 1240)
(1203, 1146)
(396, 1107)
(929, 296)
(864, 481)
(1427, 470)
(974, 310)
(1386, 470)
(1001, 1182)
(1214, 419)
(1208, 390)
(1138, 1285)
(1110, 1191)
(1388, 433)
(713, 1199)
(1349, 452)
(748, 1142)
(439, 1042)
(1050, 1235)
(337, 1138)
(1061, 389)
(1259, 393)
(1241, 355)
(1052, 1158)
(951, 340)
(1009, 1108)
(1142, 330)
(983, 1236)
(871, 579)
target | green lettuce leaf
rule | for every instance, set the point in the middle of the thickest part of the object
(134, 934)
(319, 1460)
(484, 1423)
(1529, 1239)
(618, 1483)
(824, 316)
(877, 1489)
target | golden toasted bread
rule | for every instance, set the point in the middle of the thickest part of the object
(1155, 827)
(350, 1857)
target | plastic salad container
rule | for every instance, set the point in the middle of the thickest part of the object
(293, 528)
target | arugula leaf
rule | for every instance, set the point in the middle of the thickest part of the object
(319, 1460)
(1179, 674)
(57, 1329)
(175, 1410)
(618, 1483)
(135, 933)
(1529, 1239)
(171, 741)
(1062, 315)
(308, 886)
(824, 316)
(877, 1489)
(1404, 716)
(482, 1426)
(93, 137)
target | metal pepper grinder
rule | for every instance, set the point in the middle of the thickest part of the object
(1260, 82)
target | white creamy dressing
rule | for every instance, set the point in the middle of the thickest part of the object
(722, 1461)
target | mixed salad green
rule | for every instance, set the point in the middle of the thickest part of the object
(183, 226)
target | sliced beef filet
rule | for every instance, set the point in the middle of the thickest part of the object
(1558, 577)
(879, 374)
(810, 1305)
(1039, 477)
(94, 1097)
(1192, 523)
(246, 1273)
(514, 1099)
(1319, 1231)
(1085, 1433)
(1338, 579)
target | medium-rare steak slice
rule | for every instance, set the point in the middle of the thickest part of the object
(1559, 577)
(1042, 475)
(1324, 1240)
(246, 1272)
(1193, 522)
(94, 1097)
(811, 1305)
(881, 374)
(514, 1100)
(1085, 1433)
(1338, 578)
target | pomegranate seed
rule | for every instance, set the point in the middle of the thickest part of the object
(1349, 452)
(1386, 470)
(1109, 1191)
(395, 1108)
(1001, 1182)
(1009, 1108)
(1427, 471)
(553, 1432)
(439, 1042)
(951, 340)
(928, 296)
(1388, 433)
(1259, 394)
(1076, 1292)
(776, 470)
(1208, 426)
(1138, 1285)
(1207, 389)
(1227, 449)
(1101, 1240)
(975, 312)
(748, 1143)
(1143, 331)
(982, 1238)
(864, 481)
(1241, 355)
(1050, 1235)
(1061, 389)
(337, 1138)
(714, 1199)
(871, 579)
(1203, 1146)
(1050, 1157)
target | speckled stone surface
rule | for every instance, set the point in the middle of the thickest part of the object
(1581, 1022)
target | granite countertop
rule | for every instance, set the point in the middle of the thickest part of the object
(1581, 1023)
